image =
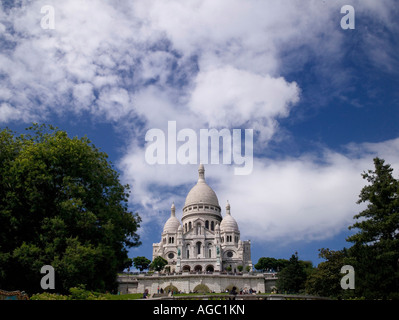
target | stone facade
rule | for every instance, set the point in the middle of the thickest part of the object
(204, 241)
(187, 282)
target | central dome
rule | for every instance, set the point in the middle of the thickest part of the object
(201, 193)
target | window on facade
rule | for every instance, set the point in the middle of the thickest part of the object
(212, 225)
(189, 225)
(198, 228)
(206, 224)
(198, 247)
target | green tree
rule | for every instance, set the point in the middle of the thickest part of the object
(293, 277)
(61, 203)
(281, 264)
(141, 263)
(326, 278)
(158, 263)
(266, 263)
(376, 244)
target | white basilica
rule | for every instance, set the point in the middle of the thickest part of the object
(204, 240)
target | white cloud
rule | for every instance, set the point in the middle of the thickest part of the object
(83, 95)
(60, 70)
(296, 200)
(227, 97)
(8, 113)
(125, 45)
(120, 46)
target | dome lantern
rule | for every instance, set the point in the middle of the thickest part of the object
(201, 173)
(173, 210)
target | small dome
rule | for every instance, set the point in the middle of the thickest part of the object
(228, 224)
(201, 193)
(172, 224)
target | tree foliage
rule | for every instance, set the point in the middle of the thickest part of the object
(141, 263)
(267, 263)
(61, 203)
(158, 263)
(376, 244)
(326, 278)
(378, 224)
(293, 277)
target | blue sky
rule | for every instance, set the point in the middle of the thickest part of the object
(322, 102)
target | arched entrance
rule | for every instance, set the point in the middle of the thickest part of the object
(171, 288)
(209, 268)
(202, 288)
(186, 268)
(198, 268)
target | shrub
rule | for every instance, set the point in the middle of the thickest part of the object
(202, 288)
(48, 296)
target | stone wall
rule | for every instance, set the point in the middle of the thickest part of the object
(186, 283)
